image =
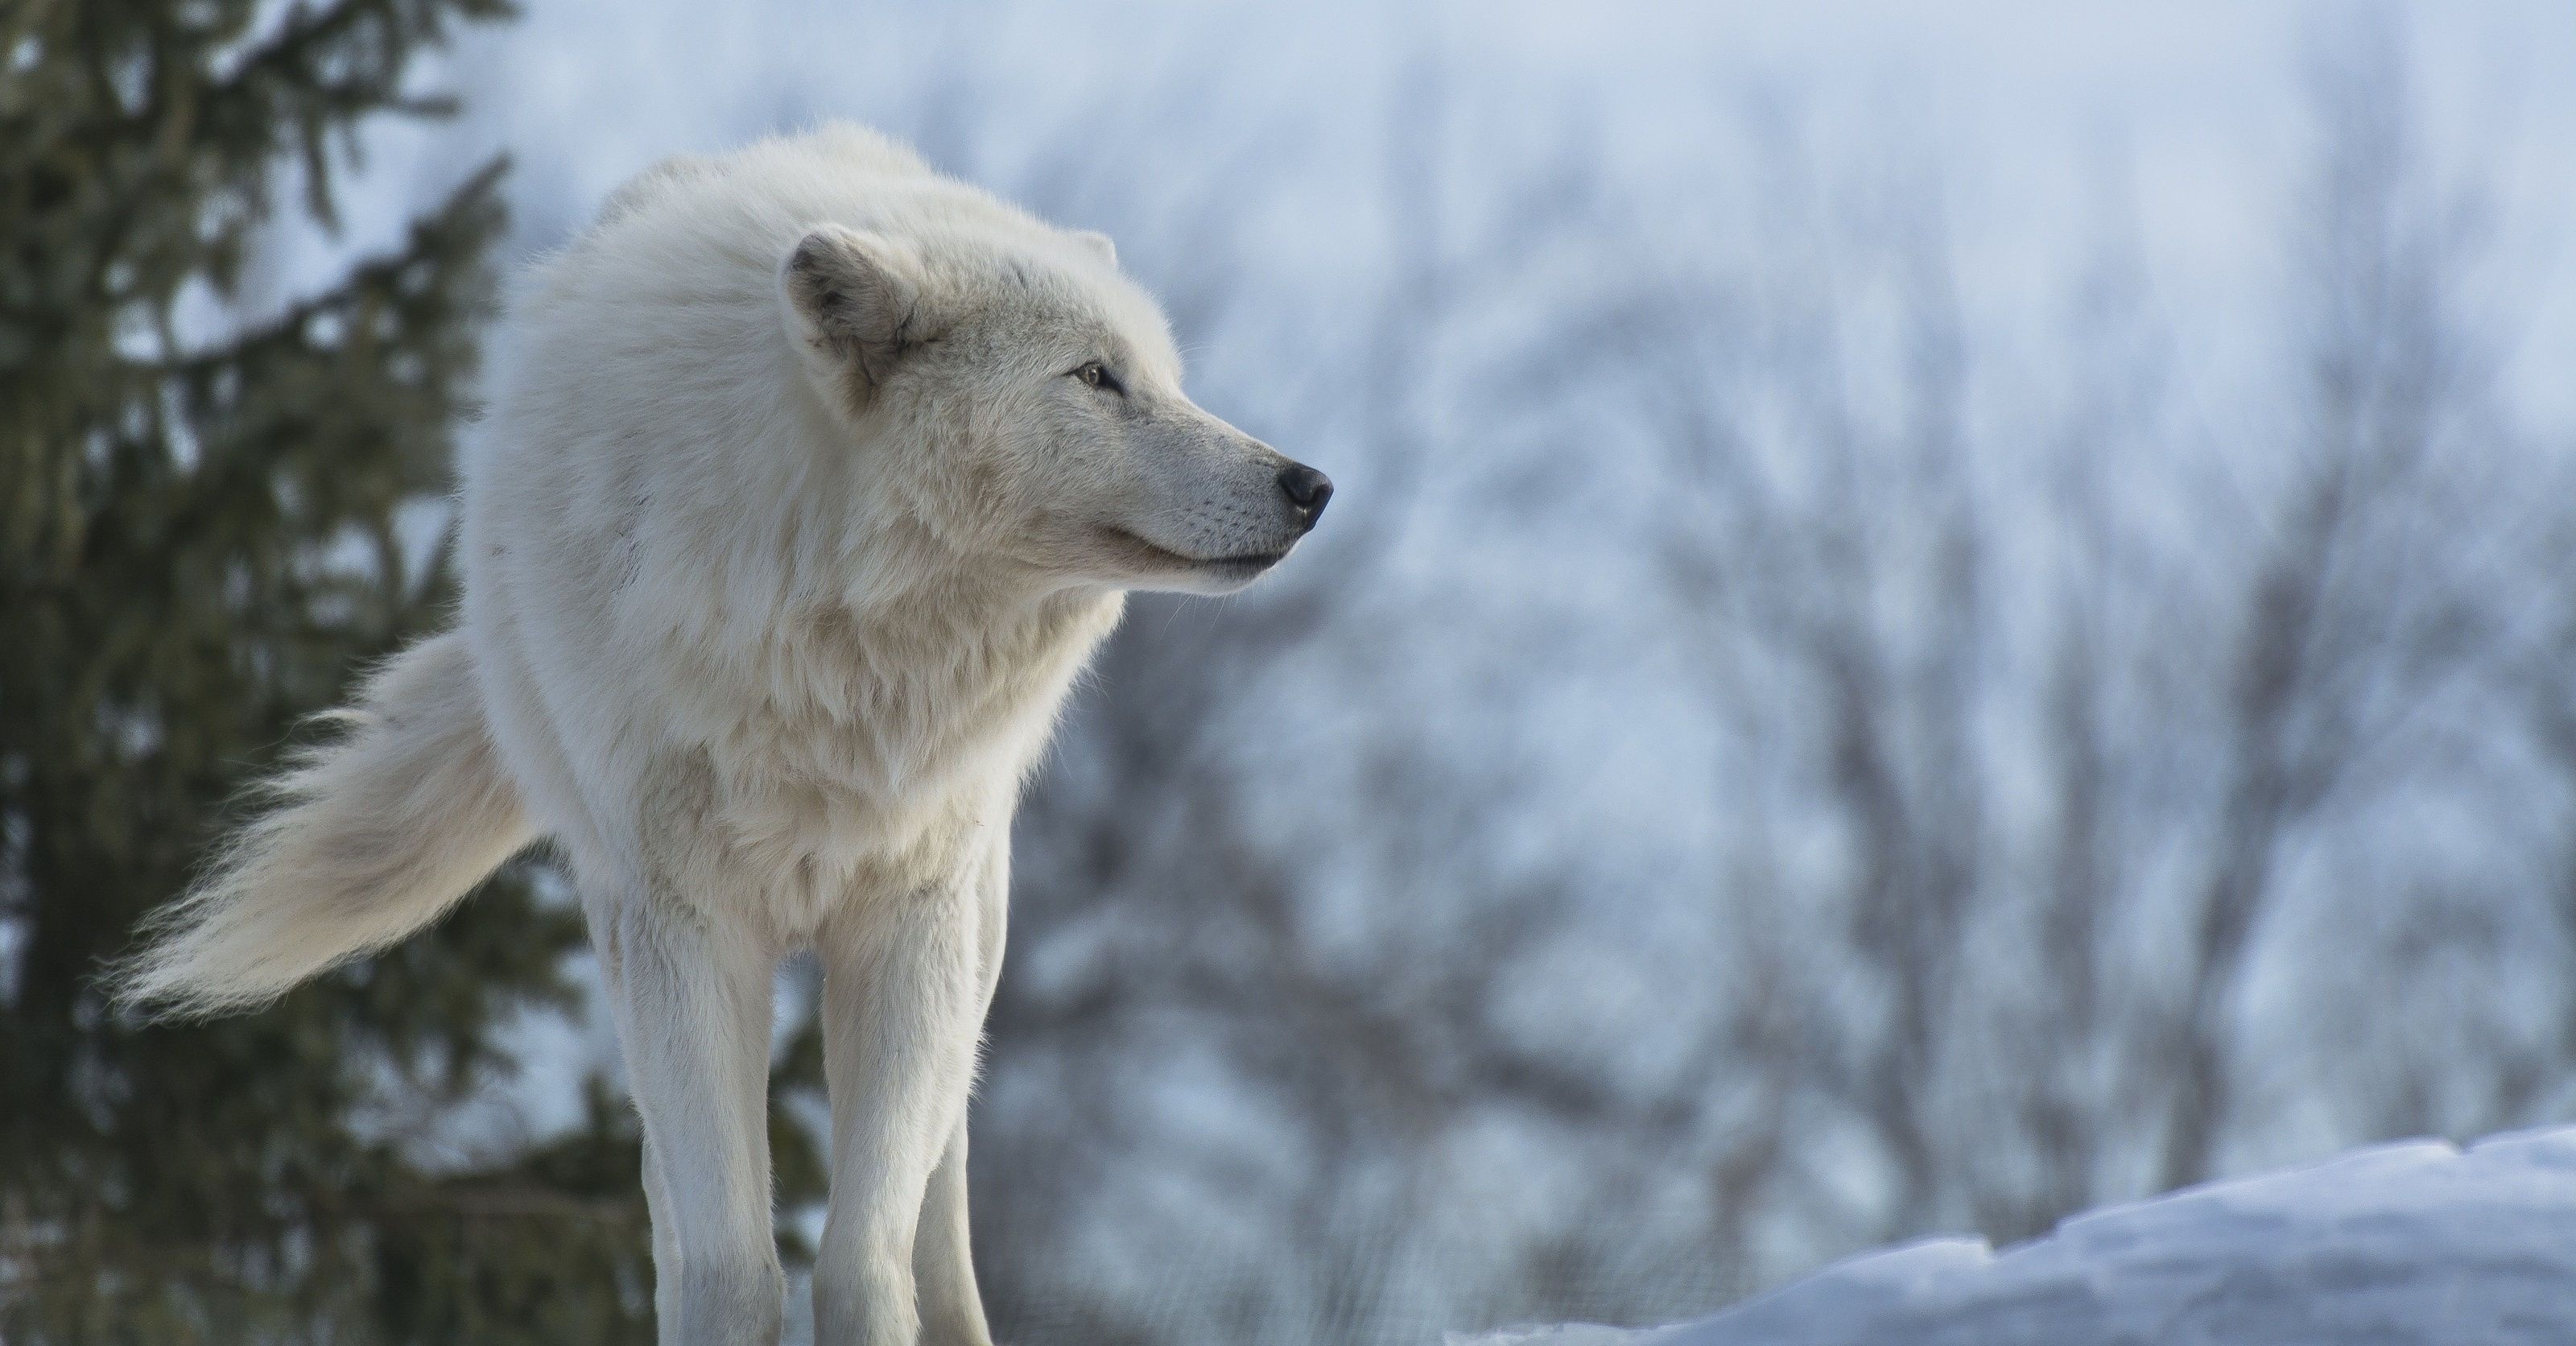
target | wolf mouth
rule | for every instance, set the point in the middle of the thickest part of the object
(1164, 557)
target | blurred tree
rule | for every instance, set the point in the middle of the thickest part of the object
(2106, 786)
(199, 543)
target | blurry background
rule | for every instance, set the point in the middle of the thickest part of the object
(1938, 615)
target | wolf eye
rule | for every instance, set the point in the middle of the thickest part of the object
(1096, 375)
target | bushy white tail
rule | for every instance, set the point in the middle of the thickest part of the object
(361, 842)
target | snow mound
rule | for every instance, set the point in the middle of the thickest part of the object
(2396, 1245)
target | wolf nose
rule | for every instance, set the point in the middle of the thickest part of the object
(1307, 489)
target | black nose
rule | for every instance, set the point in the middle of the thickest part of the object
(1307, 489)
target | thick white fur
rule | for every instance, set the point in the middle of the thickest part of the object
(364, 841)
(811, 481)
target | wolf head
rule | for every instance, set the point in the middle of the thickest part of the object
(1033, 398)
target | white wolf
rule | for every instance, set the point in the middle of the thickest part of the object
(811, 479)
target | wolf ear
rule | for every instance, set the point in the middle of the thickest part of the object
(852, 302)
(1099, 245)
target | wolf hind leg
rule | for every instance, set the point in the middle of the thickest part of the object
(943, 1263)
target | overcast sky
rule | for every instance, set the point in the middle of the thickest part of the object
(2019, 101)
(2194, 106)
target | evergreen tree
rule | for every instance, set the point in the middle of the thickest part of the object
(199, 545)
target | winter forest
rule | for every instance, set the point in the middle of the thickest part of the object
(1900, 652)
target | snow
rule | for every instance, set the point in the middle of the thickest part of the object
(2416, 1242)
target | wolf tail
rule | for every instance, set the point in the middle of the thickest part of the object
(359, 842)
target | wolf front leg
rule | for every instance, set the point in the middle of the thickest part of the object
(943, 1260)
(693, 1009)
(902, 1003)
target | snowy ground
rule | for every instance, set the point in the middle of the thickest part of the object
(2396, 1245)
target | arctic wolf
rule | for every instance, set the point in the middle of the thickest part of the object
(812, 478)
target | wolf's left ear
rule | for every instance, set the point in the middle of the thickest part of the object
(1099, 245)
(853, 305)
